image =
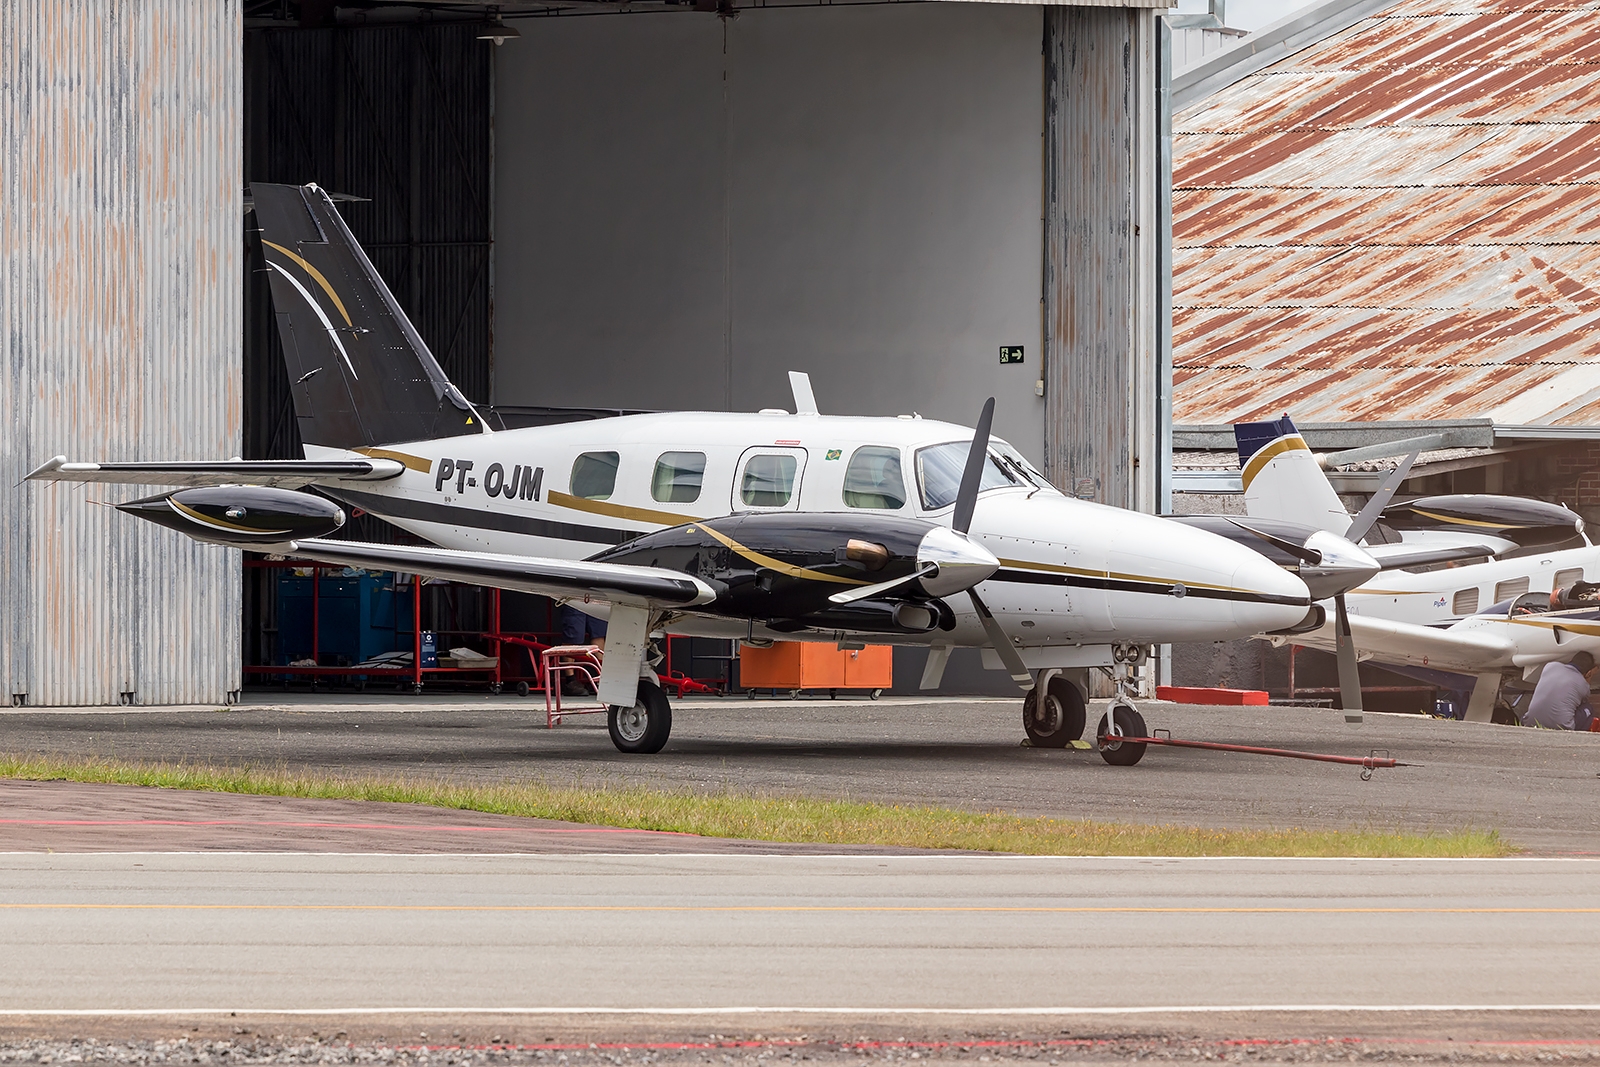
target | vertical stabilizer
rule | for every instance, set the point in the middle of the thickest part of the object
(359, 373)
(1282, 479)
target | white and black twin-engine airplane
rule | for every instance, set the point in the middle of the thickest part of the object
(768, 526)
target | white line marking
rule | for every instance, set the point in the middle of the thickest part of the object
(1166, 1009)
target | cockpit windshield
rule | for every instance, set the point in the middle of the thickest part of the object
(939, 470)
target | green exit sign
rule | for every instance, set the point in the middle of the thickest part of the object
(1010, 353)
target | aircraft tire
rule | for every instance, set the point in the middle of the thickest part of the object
(1059, 720)
(645, 727)
(1121, 753)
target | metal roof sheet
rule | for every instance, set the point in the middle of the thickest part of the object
(1400, 221)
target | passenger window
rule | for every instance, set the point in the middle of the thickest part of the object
(1510, 589)
(873, 479)
(768, 481)
(1567, 577)
(594, 475)
(678, 477)
(1465, 602)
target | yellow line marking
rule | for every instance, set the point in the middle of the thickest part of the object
(779, 565)
(1291, 443)
(721, 908)
(416, 463)
(317, 275)
(618, 511)
(1582, 629)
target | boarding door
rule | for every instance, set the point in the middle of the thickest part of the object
(768, 479)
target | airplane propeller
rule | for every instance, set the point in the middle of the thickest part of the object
(1344, 643)
(961, 521)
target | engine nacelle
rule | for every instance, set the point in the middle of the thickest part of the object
(1530, 523)
(240, 515)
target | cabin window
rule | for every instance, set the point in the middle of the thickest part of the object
(1510, 589)
(873, 479)
(594, 475)
(768, 481)
(1465, 602)
(678, 477)
(1567, 577)
(939, 470)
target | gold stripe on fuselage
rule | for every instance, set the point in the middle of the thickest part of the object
(779, 565)
(416, 463)
(1053, 568)
(1283, 444)
(619, 511)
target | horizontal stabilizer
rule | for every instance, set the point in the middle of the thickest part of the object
(1395, 557)
(285, 473)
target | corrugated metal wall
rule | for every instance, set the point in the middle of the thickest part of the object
(120, 315)
(1100, 295)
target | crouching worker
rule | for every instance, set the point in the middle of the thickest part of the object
(1561, 699)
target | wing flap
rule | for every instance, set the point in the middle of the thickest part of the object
(285, 473)
(561, 578)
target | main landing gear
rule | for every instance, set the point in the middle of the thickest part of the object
(645, 726)
(1054, 712)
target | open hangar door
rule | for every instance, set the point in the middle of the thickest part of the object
(896, 198)
(650, 206)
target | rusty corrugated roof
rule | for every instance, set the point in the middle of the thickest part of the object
(1400, 221)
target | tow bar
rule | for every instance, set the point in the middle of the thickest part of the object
(1368, 764)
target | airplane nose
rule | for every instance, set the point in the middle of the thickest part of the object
(1270, 597)
(962, 562)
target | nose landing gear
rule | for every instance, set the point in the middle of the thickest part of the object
(1122, 719)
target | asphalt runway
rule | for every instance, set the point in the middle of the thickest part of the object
(1536, 787)
(874, 935)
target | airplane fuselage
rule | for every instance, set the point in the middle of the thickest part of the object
(1076, 577)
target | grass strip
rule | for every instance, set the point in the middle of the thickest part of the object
(770, 818)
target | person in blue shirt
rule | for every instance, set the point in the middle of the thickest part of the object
(1561, 699)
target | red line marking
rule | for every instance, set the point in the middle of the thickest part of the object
(344, 826)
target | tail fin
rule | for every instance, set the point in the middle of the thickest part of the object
(1282, 480)
(361, 375)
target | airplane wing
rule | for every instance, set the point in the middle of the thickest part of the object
(285, 473)
(635, 594)
(1394, 557)
(612, 583)
(1387, 641)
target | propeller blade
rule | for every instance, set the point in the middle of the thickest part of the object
(1299, 552)
(1000, 642)
(1349, 672)
(972, 477)
(1368, 518)
(850, 596)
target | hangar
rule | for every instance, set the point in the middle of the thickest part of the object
(583, 206)
(1384, 224)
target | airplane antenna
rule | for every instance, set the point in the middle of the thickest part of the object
(805, 402)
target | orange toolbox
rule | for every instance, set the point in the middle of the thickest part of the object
(801, 665)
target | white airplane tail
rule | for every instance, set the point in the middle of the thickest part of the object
(1282, 479)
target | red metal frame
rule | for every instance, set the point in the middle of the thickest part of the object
(570, 659)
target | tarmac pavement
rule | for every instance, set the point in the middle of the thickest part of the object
(1539, 788)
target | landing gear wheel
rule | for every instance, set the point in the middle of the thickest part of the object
(1054, 719)
(1117, 752)
(644, 727)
